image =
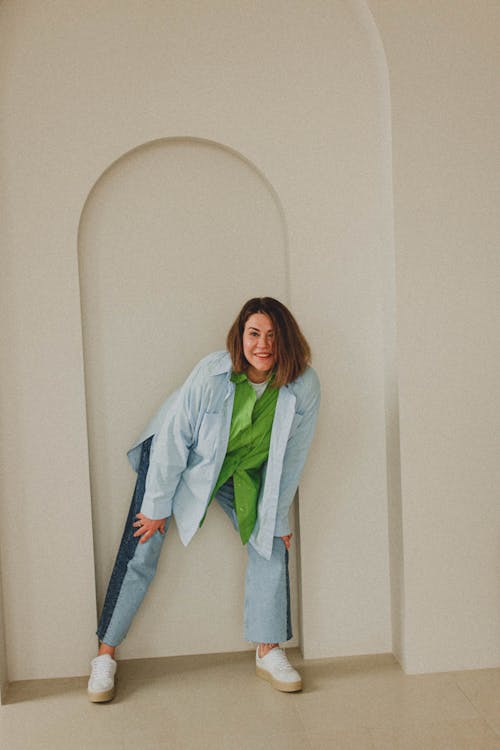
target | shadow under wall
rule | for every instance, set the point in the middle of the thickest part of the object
(3, 652)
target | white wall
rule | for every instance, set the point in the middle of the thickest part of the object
(301, 91)
(296, 91)
(444, 60)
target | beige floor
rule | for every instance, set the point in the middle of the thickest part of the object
(216, 702)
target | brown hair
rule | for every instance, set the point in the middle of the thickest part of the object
(292, 350)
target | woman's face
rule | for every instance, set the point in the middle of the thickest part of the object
(259, 347)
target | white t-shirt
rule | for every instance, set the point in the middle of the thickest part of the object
(259, 388)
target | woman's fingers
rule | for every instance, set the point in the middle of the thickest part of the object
(146, 527)
(143, 525)
(139, 522)
(144, 533)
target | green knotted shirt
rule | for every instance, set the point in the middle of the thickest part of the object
(247, 449)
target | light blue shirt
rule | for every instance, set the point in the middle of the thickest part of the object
(191, 432)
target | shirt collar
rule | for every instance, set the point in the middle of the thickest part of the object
(240, 377)
(225, 365)
(222, 365)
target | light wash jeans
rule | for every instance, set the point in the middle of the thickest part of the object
(267, 587)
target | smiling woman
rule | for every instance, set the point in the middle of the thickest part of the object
(258, 340)
(230, 433)
(265, 335)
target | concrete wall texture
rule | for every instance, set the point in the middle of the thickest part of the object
(160, 165)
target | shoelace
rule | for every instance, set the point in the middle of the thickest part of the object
(280, 660)
(102, 668)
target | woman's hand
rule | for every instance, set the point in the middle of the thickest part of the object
(146, 527)
(287, 539)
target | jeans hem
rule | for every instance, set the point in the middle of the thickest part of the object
(106, 642)
(269, 640)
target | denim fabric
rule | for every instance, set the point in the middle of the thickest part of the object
(267, 591)
(267, 585)
(128, 544)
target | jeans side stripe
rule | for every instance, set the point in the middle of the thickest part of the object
(128, 544)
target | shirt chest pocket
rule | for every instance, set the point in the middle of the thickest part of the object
(209, 434)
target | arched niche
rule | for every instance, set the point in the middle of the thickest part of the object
(175, 235)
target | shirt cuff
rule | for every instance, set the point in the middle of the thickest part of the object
(282, 527)
(156, 511)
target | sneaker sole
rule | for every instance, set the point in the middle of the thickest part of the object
(104, 697)
(285, 687)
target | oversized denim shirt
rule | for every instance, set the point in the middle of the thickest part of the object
(190, 436)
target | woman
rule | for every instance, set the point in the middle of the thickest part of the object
(238, 431)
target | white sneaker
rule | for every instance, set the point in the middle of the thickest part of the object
(101, 685)
(276, 669)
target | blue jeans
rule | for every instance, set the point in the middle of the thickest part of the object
(267, 586)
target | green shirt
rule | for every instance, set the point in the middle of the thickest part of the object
(247, 449)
